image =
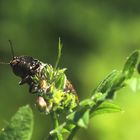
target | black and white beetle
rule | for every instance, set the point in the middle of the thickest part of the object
(26, 66)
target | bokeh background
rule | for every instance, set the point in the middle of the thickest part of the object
(97, 36)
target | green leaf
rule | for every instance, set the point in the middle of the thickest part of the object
(118, 83)
(84, 120)
(69, 127)
(134, 83)
(61, 82)
(87, 102)
(107, 82)
(106, 89)
(106, 107)
(20, 126)
(98, 96)
(65, 127)
(130, 64)
(79, 117)
(60, 129)
(116, 79)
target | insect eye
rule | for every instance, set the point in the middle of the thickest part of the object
(15, 57)
(14, 62)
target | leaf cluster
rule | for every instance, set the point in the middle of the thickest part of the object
(101, 100)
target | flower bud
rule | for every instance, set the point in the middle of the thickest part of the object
(41, 103)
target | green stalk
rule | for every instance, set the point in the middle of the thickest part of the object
(74, 131)
(59, 54)
(72, 134)
(55, 123)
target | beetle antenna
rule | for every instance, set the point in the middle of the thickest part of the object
(12, 50)
(4, 63)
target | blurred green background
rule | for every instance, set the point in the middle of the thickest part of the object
(97, 36)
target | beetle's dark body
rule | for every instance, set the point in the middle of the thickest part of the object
(26, 67)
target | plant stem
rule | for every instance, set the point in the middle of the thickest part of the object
(55, 122)
(95, 107)
(72, 134)
(74, 131)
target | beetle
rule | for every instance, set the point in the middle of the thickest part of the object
(26, 66)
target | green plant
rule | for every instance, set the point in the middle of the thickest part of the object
(56, 96)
